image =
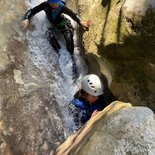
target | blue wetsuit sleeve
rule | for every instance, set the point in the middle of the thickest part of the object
(78, 103)
(30, 13)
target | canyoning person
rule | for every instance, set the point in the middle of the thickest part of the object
(88, 100)
(55, 10)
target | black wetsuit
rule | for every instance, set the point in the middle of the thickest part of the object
(59, 19)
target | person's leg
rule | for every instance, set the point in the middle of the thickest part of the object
(67, 30)
(53, 41)
(68, 35)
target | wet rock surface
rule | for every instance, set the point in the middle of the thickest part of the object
(30, 117)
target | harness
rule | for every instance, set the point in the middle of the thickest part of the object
(57, 10)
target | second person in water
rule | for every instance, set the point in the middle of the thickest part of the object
(88, 100)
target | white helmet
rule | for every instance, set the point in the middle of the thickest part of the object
(92, 85)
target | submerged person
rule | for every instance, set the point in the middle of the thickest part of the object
(88, 100)
(55, 10)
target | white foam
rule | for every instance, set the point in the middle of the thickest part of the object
(45, 58)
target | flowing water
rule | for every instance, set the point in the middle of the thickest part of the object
(63, 87)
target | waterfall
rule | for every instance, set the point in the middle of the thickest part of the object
(62, 86)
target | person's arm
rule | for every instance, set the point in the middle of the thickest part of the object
(84, 23)
(78, 103)
(30, 13)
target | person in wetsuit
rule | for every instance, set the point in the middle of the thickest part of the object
(89, 100)
(55, 10)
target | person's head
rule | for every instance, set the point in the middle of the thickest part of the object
(54, 3)
(92, 85)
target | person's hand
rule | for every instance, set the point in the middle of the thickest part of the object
(24, 24)
(85, 24)
(94, 113)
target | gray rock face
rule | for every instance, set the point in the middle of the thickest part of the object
(140, 15)
(127, 131)
(138, 7)
(122, 37)
(30, 118)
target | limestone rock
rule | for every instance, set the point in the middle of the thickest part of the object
(140, 15)
(127, 130)
(30, 118)
(121, 36)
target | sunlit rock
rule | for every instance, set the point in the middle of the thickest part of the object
(119, 129)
